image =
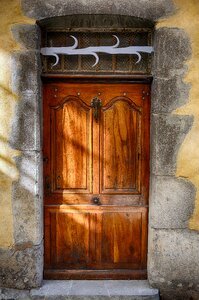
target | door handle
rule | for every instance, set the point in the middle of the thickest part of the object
(96, 200)
(96, 104)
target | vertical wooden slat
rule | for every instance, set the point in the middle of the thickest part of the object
(144, 236)
(47, 246)
(96, 156)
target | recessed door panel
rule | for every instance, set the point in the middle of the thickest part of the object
(121, 143)
(71, 146)
(69, 238)
(116, 225)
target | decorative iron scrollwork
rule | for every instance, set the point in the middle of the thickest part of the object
(93, 50)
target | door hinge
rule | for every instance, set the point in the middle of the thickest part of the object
(45, 159)
(48, 184)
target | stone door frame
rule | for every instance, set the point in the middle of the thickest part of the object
(168, 130)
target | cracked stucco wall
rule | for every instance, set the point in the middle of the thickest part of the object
(21, 230)
(10, 13)
(187, 18)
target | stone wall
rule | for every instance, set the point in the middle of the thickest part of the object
(173, 257)
(21, 264)
(173, 262)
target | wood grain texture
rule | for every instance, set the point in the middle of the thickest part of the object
(98, 238)
(71, 242)
(120, 146)
(121, 274)
(108, 159)
(71, 146)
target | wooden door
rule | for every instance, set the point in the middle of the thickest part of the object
(96, 179)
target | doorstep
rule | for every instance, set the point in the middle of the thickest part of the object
(85, 290)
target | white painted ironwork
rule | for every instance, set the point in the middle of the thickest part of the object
(72, 50)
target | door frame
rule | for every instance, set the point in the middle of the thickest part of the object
(139, 79)
(26, 136)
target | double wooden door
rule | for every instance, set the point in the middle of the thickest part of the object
(96, 179)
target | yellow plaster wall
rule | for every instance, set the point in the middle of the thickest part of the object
(10, 14)
(187, 18)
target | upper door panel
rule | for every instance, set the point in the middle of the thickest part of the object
(120, 146)
(71, 146)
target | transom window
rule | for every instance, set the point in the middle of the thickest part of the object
(107, 63)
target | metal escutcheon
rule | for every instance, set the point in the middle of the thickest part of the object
(96, 200)
(96, 104)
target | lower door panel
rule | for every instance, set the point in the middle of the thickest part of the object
(103, 242)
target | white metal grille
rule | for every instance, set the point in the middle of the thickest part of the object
(108, 64)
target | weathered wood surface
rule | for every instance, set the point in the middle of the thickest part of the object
(108, 159)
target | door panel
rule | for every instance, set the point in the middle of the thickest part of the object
(105, 158)
(116, 251)
(121, 147)
(71, 146)
(93, 237)
(70, 246)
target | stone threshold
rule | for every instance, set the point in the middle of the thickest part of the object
(85, 290)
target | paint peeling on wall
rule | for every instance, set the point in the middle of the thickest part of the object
(188, 157)
(10, 13)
